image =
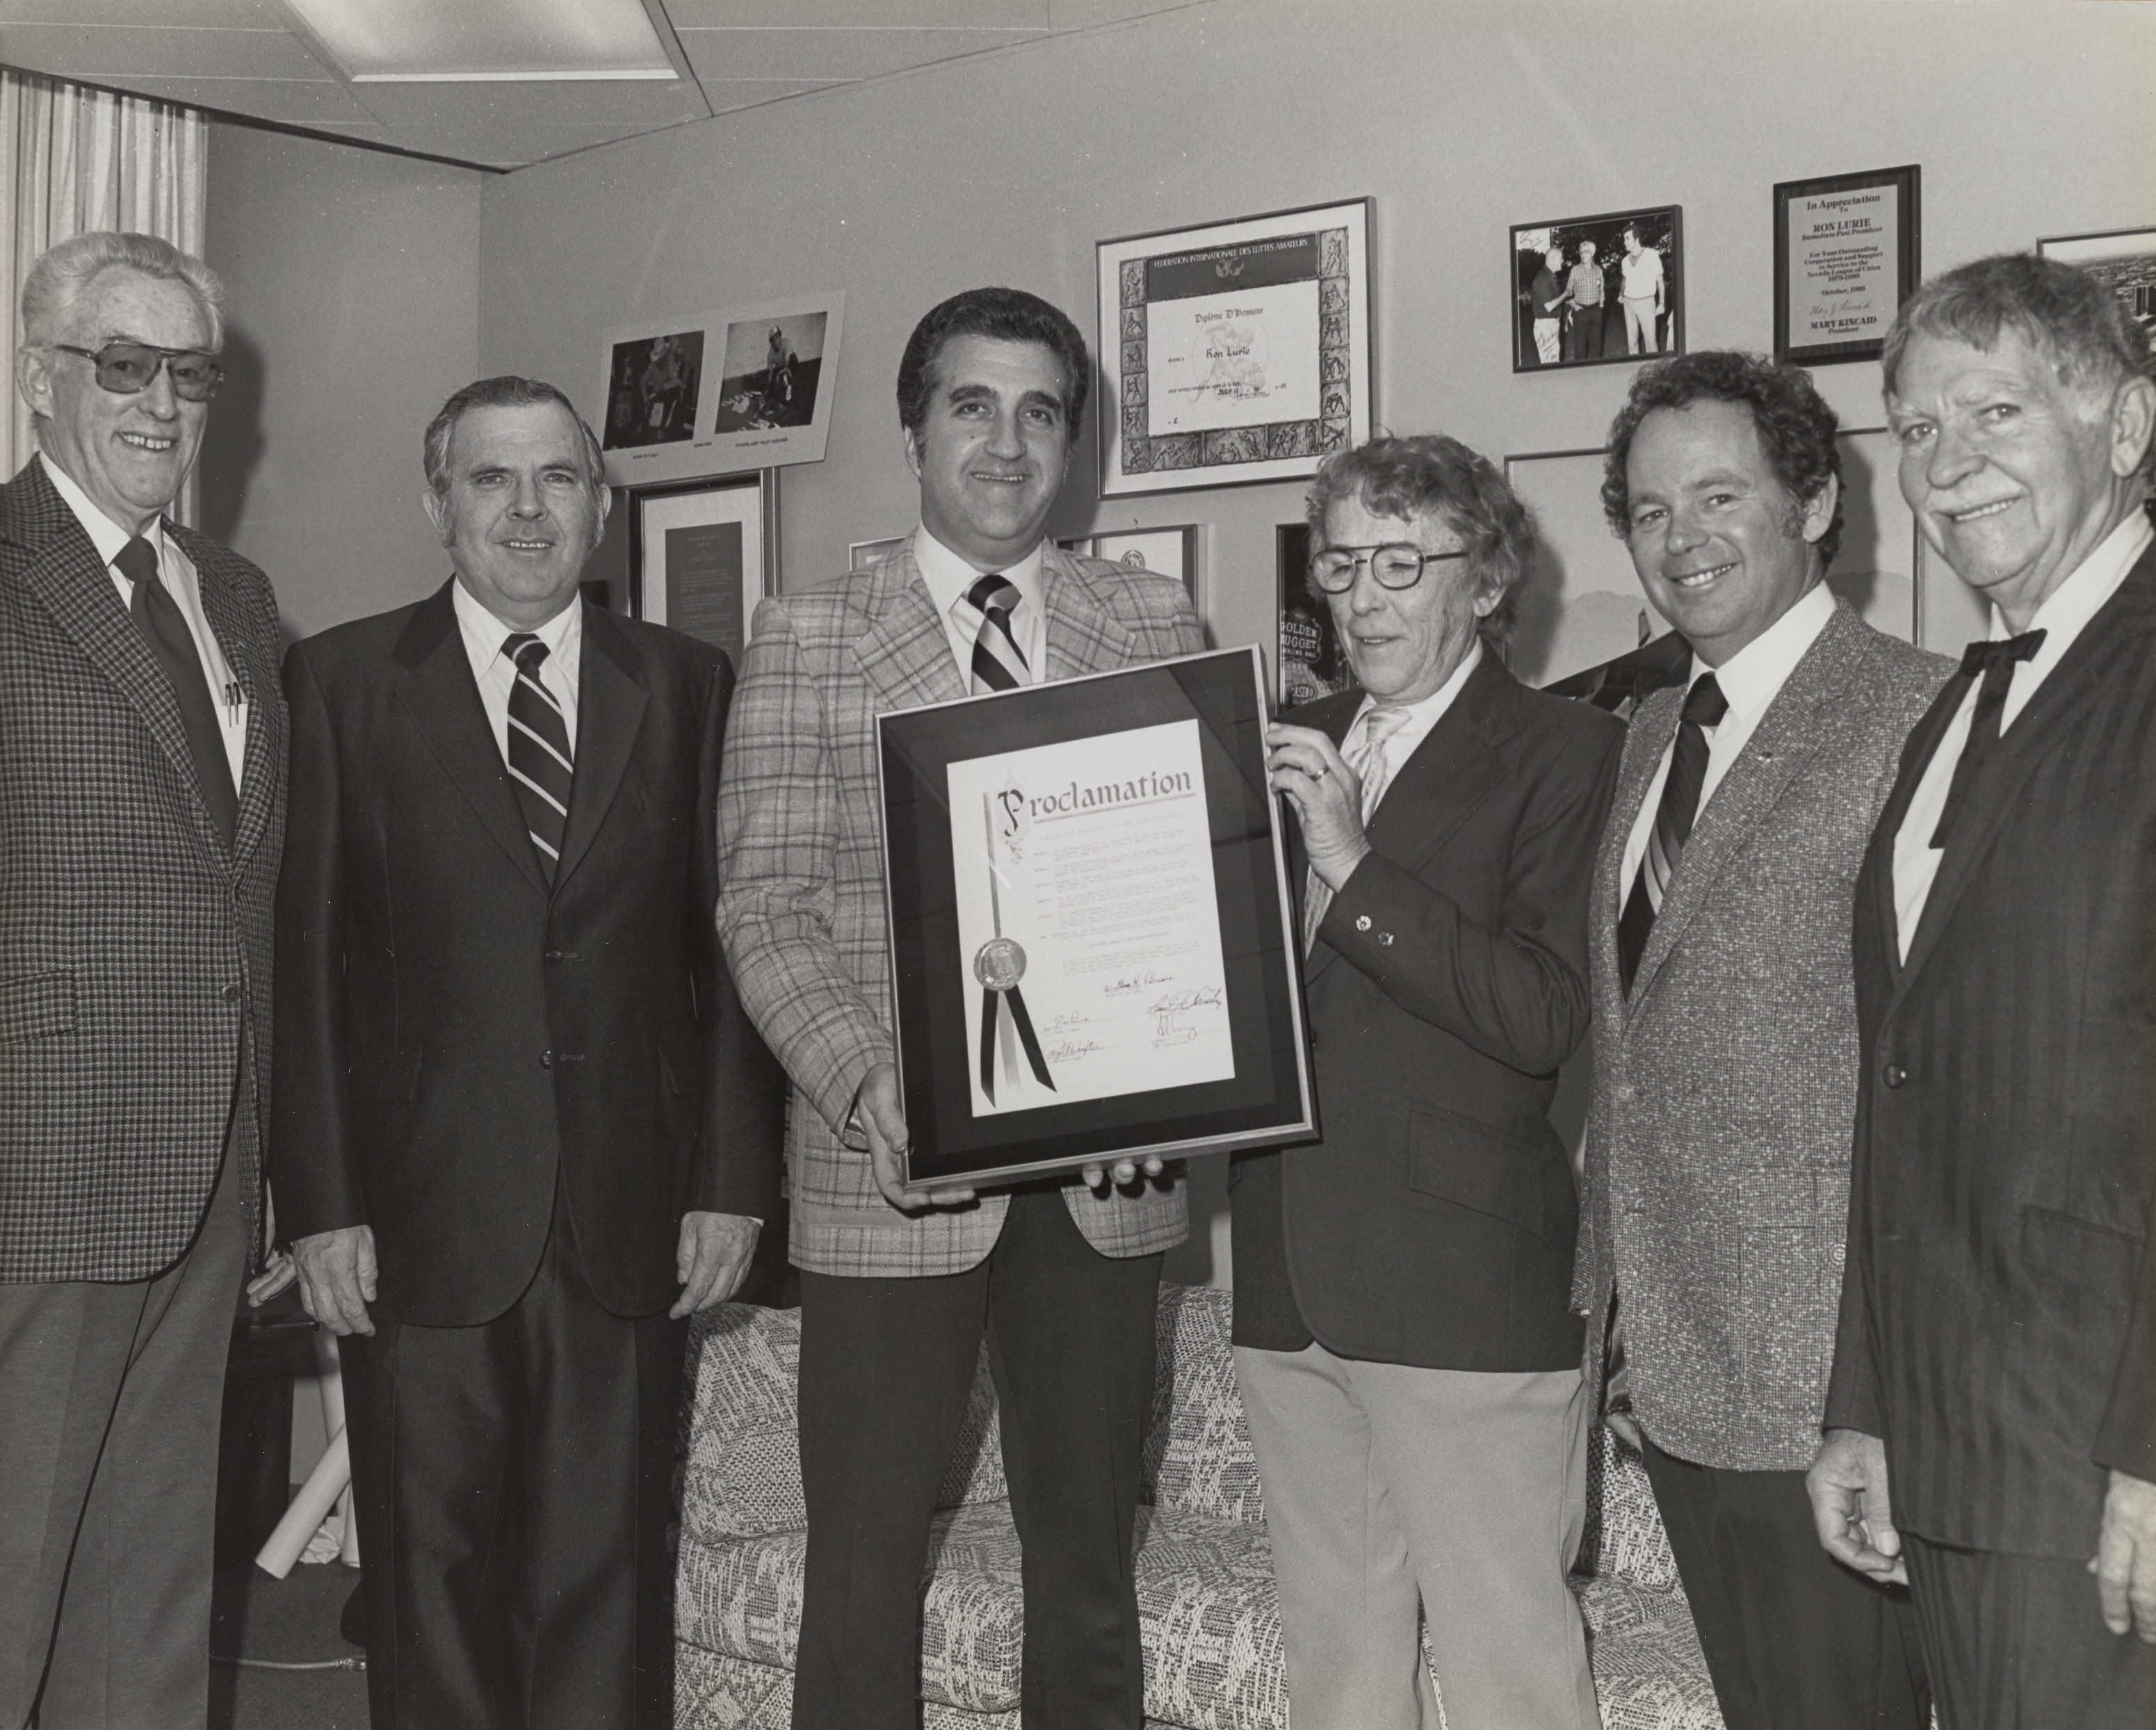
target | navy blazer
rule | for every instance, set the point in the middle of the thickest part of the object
(1433, 1225)
(452, 1031)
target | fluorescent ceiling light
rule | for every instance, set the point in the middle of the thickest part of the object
(485, 41)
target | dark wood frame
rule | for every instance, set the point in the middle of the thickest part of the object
(1907, 182)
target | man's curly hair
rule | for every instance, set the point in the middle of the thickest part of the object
(1796, 428)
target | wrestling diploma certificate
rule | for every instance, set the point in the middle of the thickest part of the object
(1091, 936)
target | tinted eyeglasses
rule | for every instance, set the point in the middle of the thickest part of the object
(1396, 565)
(126, 369)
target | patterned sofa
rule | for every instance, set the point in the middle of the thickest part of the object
(1205, 1593)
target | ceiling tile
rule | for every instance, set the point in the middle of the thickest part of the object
(631, 104)
(832, 55)
(726, 95)
(1085, 14)
(288, 102)
(855, 14)
(507, 146)
(101, 54)
(171, 14)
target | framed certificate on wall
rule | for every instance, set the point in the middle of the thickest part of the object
(703, 553)
(1847, 256)
(1239, 351)
(1092, 940)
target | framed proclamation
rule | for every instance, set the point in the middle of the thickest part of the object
(1236, 353)
(1845, 257)
(1093, 947)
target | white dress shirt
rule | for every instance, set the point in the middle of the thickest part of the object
(176, 572)
(1750, 680)
(484, 634)
(2069, 608)
(1422, 716)
(948, 576)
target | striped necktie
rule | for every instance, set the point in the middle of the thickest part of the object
(1704, 707)
(540, 761)
(1366, 755)
(999, 663)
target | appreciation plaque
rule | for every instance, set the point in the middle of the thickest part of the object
(1092, 941)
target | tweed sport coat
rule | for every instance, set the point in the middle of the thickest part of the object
(135, 944)
(1999, 1316)
(802, 905)
(1716, 1177)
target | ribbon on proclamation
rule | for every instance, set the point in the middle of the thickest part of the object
(999, 965)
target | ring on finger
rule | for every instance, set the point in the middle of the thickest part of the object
(1323, 770)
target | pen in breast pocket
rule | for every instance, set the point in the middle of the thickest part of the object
(234, 697)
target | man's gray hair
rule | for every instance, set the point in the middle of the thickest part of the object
(60, 279)
(2077, 324)
(507, 391)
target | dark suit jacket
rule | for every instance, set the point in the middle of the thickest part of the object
(1433, 1225)
(135, 949)
(452, 1035)
(1999, 1310)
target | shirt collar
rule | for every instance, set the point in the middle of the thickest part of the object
(105, 534)
(2077, 600)
(1751, 678)
(485, 633)
(948, 576)
(1423, 714)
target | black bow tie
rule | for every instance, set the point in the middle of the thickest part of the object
(1980, 658)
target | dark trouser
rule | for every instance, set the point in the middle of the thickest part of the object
(2018, 1643)
(110, 1398)
(514, 1482)
(886, 1368)
(1584, 338)
(1793, 1641)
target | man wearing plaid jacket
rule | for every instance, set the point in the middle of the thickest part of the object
(141, 819)
(895, 1296)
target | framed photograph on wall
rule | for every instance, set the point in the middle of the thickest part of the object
(702, 553)
(1847, 256)
(1589, 290)
(710, 392)
(2122, 259)
(1165, 552)
(1239, 351)
(1307, 659)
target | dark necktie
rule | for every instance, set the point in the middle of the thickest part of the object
(1704, 707)
(540, 761)
(999, 663)
(164, 628)
(1995, 662)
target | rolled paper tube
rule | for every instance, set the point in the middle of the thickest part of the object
(324, 1485)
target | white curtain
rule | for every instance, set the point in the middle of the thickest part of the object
(72, 160)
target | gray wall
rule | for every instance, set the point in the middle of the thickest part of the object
(353, 279)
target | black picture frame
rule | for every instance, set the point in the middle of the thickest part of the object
(1848, 251)
(1269, 1098)
(702, 553)
(1660, 228)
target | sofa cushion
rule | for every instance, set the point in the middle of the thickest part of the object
(1211, 1623)
(1650, 1673)
(1624, 1536)
(741, 1457)
(1199, 1461)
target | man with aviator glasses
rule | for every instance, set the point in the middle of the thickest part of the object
(142, 744)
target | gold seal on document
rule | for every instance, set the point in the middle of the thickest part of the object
(1000, 964)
